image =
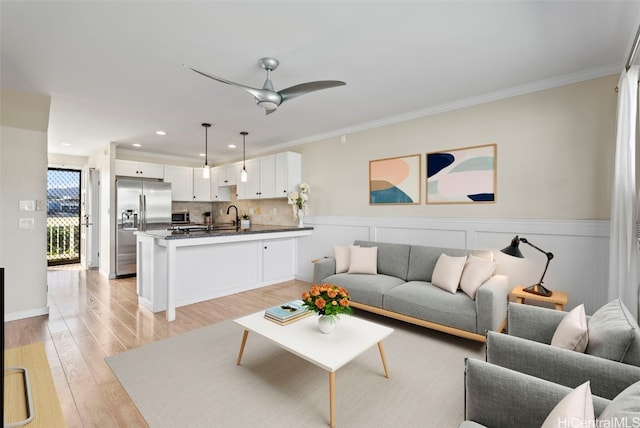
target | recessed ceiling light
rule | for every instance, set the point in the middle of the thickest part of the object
(136, 145)
(232, 146)
(65, 144)
(201, 155)
(161, 132)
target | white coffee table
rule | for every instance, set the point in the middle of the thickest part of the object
(351, 337)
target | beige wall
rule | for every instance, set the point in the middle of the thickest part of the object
(23, 177)
(555, 155)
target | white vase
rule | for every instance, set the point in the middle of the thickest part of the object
(300, 217)
(326, 323)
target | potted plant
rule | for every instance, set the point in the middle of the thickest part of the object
(300, 203)
(329, 301)
(245, 223)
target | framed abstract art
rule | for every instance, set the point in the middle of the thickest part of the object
(462, 176)
(395, 180)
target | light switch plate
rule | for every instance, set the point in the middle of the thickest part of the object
(27, 223)
(27, 205)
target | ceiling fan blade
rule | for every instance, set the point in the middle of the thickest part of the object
(305, 88)
(258, 93)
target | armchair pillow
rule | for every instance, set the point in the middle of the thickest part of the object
(447, 272)
(610, 331)
(364, 260)
(476, 272)
(572, 331)
(577, 406)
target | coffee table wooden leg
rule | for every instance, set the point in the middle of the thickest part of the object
(332, 398)
(244, 342)
(384, 360)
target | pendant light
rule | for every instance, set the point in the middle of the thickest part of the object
(205, 169)
(243, 173)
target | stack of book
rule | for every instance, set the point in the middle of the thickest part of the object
(287, 312)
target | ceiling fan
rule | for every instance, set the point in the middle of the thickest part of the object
(268, 98)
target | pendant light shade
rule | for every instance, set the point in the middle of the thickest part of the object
(243, 173)
(205, 168)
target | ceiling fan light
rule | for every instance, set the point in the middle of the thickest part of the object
(267, 105)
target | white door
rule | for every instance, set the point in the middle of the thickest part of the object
(90, 209)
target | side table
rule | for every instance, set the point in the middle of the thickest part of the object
(558, 298)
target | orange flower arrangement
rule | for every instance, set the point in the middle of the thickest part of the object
(327, 299)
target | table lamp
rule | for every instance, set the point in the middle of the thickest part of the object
(514, 251)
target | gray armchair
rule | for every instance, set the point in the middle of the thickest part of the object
(526, 349)
(496, 397)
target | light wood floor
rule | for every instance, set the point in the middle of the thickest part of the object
(91, 318)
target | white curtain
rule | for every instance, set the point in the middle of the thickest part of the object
(624, 255)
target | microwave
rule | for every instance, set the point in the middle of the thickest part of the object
(180, 218)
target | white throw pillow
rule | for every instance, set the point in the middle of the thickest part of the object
(343, 258)
(447, 272)
(572, 332)
(476, 272)
(364, 260)
(575, 409)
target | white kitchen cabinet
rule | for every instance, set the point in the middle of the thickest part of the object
(201, 186)
(187, 184)
(229, 174)
(288, 173)
(278, 259)
(261, 179)
(219, 193)
(181, 179)
(127, 168)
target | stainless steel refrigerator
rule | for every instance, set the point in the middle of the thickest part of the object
(141, 205)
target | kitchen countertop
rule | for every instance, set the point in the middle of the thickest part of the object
(223, 231)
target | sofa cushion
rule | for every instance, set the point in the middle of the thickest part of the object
(423, 259)
(365, 289)
(633, 354)
(364, 260)
(447, 272)
(610, 331)
(476, 272)
(342, 254)
(572, 332)
(575, 408)
(427, 302)
(393, 259)
(625, 407)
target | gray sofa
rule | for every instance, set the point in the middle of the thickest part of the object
(496, 397)
(527, 349)
(402, 289)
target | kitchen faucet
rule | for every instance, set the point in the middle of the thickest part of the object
(237, 222)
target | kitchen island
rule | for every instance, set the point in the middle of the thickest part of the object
(181, 267)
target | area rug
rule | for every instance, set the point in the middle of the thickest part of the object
(192, 380)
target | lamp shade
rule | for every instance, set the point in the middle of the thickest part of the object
(513, 250)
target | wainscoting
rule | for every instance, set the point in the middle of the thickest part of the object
(581, 248)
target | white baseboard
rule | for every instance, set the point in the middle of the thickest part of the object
(13, 316)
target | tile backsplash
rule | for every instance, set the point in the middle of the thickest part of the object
(261, 211)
